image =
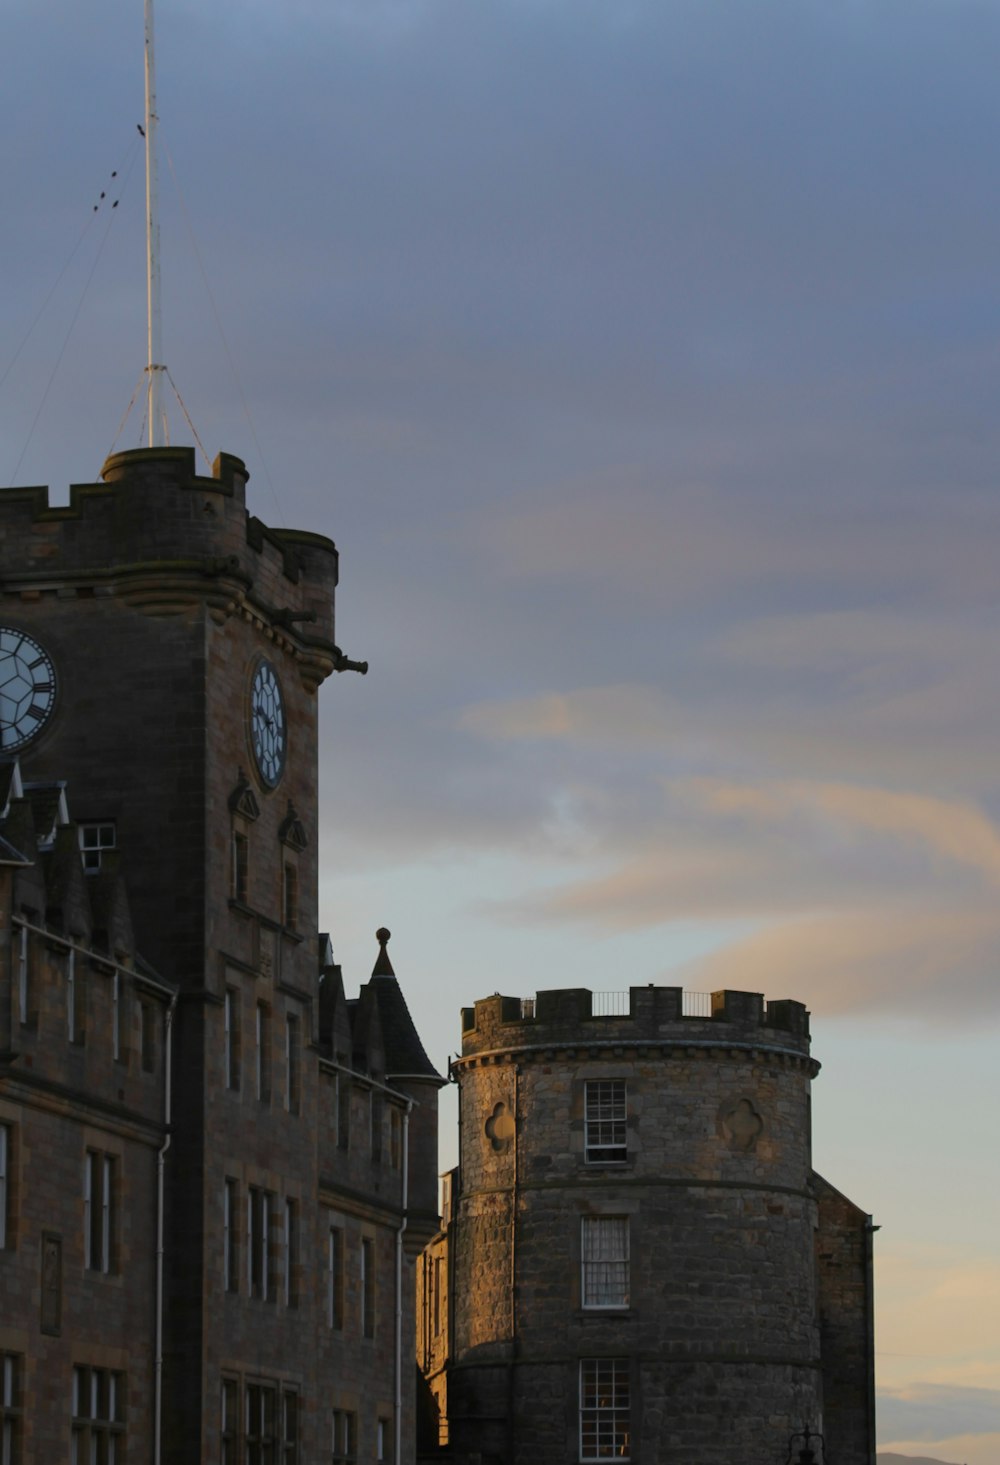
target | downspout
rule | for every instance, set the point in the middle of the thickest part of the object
(870, 1229)
(160, 1161)
(397, 1406)
(512, 1365)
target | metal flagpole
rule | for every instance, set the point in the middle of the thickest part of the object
(154, 365)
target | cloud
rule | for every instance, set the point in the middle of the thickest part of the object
(955, 832)
(929, 1412)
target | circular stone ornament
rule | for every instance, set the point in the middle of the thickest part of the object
(268, 730)
(27, 689)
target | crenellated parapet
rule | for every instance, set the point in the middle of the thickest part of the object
(643, 1017)
(164, 539)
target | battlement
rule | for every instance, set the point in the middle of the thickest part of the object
(575, 1016)
(154, 513)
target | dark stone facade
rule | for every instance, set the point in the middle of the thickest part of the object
(637, 1260)
(292, 1109)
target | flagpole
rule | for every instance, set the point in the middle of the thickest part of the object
(154, 365)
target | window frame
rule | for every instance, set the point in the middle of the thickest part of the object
(92, 850)
(259, 1228)
(260, 1437)
(100, 1218)
(230, 1235)
(293, 1063)
(231, 1037)
(6, 1169)
(290, 1251)
(262, 1052)
(229, 1420)
(366, 1261)
(335, 1279)
(87, 1430)
(345, 1424)
(11, 1405)
(592, 1280)
(288, 1439)
(605, 1121)
(24, 977)
(603, 1425)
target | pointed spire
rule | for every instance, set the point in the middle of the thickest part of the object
(383, 966)
(404, 1052)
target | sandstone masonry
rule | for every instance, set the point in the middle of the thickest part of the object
(637, 1260)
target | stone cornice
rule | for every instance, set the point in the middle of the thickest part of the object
(673, 1048)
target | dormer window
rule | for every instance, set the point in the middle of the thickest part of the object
(95, 841)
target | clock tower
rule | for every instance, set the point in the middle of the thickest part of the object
(161, 651)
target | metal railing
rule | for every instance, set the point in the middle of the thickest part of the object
(610, 1004)
(618, 1004)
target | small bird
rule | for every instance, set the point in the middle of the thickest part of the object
(142, 130)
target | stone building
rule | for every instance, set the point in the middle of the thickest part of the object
(637, 1260)
(216, 1170)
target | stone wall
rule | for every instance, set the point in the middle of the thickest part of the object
(720, 1337)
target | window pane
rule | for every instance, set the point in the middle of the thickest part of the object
(606, 1115)
(605, 1261)
(604, 1409)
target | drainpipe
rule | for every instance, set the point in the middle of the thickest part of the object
(397, 1406)
(160, 1160)
(512, 1365)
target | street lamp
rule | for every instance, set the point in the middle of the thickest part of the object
(807, 1455)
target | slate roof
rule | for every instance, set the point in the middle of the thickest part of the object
(404, 1052)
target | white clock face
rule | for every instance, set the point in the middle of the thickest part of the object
(27, 689)
(267, 724)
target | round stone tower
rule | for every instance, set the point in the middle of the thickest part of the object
(632, 1240)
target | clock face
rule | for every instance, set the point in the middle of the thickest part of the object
(27, 689)
(268, 736)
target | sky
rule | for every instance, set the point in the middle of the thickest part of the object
(643, 359)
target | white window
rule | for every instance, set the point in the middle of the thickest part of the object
(230, 1421)
(98, 1210)
(5, 1157)
(98, 1417)
(604, 1409)
(345, 1437)
(258, 1240)
(606, 1113)
(261, 1422)
(382, 1442)
(94, 840)
(604, 1261)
